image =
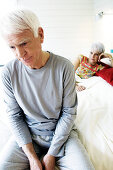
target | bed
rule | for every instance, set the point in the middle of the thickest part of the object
(95, 120)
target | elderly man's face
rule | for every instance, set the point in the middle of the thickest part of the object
(26, 47)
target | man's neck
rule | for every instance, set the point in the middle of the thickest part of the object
(42, 60)
(45, 57)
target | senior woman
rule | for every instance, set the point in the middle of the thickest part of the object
(86, 67)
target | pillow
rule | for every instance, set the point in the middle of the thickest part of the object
(107, 74)
(106, 61)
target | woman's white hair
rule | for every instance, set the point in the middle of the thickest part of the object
(97, 47)
(19, 20)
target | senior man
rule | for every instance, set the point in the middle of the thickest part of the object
(39, 91)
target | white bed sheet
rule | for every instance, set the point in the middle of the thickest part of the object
(95, 121)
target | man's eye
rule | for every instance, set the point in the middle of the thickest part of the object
(12, 47)
(23, 44)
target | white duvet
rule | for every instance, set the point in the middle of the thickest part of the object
(95, 121)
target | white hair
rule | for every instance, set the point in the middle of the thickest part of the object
(19, 20)
(97, 47)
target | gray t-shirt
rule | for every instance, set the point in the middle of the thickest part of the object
(40, 101)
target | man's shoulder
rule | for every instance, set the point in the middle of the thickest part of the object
(10, 66)
(61, 61)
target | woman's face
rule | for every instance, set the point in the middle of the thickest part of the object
(93, 57)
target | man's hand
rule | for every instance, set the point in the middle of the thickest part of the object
(34, 162)
(48, 162)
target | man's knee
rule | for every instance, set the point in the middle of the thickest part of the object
(75, 156)
(12, 157)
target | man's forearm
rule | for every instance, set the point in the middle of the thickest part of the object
(34, 162)
(29, 151)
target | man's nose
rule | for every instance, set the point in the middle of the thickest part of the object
(20, 52)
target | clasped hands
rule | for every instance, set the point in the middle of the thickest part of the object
(48, 163)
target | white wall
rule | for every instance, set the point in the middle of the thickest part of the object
(5, 53)
(68, 24)
(104, 26)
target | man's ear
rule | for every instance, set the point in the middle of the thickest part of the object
(41, 34)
